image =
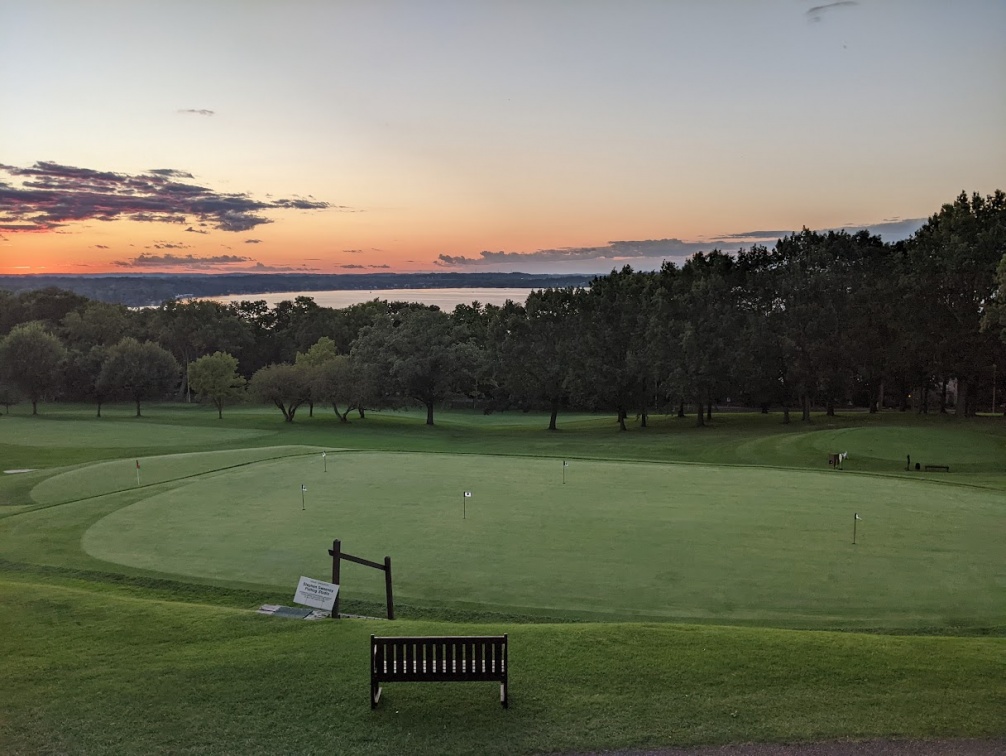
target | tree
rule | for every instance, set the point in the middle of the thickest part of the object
(953, 260)
(320, 352)
(284, 385)
(333, 381)
(82, 373)
(215, 376)
(30, 358)
(534, 348)
(8, 395)
(418, 354)
(139, 372)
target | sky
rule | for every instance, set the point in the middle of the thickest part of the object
(538, 136)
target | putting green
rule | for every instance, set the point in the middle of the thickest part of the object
(621, 539)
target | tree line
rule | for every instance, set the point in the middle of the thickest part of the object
(822, 319)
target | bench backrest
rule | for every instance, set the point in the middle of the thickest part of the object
(447, 658)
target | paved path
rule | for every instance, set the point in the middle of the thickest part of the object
(956, 747)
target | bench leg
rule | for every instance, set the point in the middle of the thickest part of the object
(375, 694)
(503, 696)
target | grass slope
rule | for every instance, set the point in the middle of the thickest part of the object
(87, 673)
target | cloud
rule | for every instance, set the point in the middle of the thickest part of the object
(100, 246)
(197, 111)
(170, 245)
(196, 230)
(616, 251)
(353, 266)
(891, 230)
(170, 260)
(51, 195)
(253, 241)
(815, 13)
(649, 252)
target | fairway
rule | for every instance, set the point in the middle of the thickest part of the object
(617, 540)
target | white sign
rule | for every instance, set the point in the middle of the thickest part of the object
(316, 593)
(468, 494)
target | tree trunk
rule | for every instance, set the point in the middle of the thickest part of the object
(99, 409)
(137, 407)
(961, 408)
(943, 397)
(709, 410)
(764, 408)
(34, 406)
(830, 411)
(681, 409)
(642, 418)
(360, 410)
(220, 410)
(805, 406)
(310, 409)
(700, 418)
(429, 413)
(621, 420)
(880, 397)
(554, 415)
(785, 414)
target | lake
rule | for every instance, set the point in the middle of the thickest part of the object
(445, 299)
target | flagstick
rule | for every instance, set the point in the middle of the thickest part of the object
(464, 507)
(324, 458)
(564, 472)
(855, 517)
(302, 506)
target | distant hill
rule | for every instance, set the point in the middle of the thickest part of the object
(152, 289)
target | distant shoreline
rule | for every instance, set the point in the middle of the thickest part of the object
(154, 288)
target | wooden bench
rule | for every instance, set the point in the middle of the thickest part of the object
(934, 468)
(438, 659)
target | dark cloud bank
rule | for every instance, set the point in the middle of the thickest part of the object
(49, 195)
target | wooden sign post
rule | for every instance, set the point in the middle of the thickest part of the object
(338, 555)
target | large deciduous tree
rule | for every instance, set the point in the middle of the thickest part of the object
(286, 386)
(30, 358)
(418, 354)
(215, 377)
(139, 372)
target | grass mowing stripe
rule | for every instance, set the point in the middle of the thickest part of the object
(147, 676)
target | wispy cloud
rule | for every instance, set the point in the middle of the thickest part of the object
(50, 195)
(253, 241)
(197, 111)
(352, 266)
(818, 11)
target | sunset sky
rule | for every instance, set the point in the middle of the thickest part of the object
(537, 136)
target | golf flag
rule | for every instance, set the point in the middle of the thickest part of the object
(137, 464)
(565, 463)
(324, 454)
(468, 494)
(858, 517)
(303, 488)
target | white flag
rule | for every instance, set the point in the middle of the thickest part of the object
(565, 463)
(858, 517)
(303, 488)
(324, 454)
(468, 494)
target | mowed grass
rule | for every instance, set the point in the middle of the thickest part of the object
(685, 542)
(107, 674)
(102, 657)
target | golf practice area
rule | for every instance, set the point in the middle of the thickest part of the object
(663, 586)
